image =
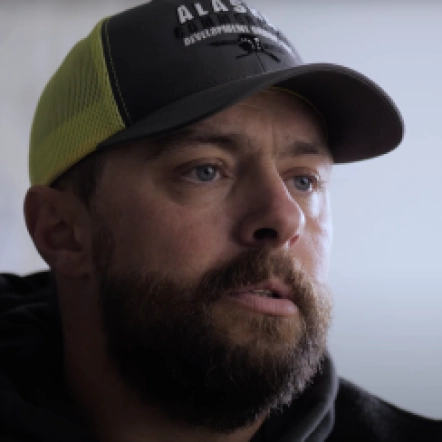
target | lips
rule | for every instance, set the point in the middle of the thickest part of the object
(271, 298)
(271, 289)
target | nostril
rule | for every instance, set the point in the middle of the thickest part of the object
(265, 233)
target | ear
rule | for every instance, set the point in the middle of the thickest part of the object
(59, 226)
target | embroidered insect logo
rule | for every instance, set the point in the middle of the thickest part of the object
(250, 44)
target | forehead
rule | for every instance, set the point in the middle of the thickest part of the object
(276, 100)
(283, 112)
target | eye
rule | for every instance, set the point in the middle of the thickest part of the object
(305, 183)
(204, 173)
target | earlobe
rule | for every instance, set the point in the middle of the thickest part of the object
(57, 228)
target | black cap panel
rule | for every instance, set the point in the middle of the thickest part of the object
(154, 63)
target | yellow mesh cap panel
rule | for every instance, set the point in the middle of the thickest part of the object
(76, 111)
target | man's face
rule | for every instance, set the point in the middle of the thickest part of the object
(186, 229)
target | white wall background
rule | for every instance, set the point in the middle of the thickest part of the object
(386, 270)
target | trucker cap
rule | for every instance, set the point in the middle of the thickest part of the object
(166, 64)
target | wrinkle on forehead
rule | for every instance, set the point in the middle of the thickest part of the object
(270, 103)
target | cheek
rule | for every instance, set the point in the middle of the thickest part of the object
(167, 237)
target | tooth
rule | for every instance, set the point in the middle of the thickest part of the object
(263, 292)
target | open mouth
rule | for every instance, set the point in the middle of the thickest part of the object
(266, 293)
(265, 301)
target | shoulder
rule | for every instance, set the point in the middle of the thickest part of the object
(24, 298)
(16, 288)
(14, 284)
(28, 316)
(366, 418)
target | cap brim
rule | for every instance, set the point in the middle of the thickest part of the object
(361, 120)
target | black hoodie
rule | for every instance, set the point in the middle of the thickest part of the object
(35, 404)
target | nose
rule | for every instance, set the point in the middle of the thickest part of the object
(272, 217)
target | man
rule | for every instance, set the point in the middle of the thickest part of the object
(180, 162)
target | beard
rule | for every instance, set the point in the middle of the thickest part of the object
(180, 347)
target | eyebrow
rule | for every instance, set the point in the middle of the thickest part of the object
(231, 142)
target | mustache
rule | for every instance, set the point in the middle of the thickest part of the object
(248, 268)
(253, 267)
